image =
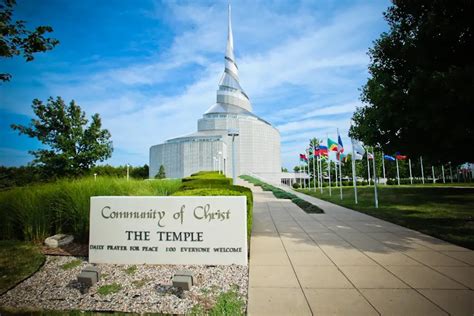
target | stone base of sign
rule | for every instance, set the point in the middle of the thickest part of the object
(183, 280)
(58, 240)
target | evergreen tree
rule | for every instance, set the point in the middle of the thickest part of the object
(161, 173)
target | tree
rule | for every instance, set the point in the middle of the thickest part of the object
(16, 40)
(74, 147)
(419, 95)
(120, 171)
(161, 173)
(140, 172)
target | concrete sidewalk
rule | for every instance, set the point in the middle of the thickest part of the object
(348, 263)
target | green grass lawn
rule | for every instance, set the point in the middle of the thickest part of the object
(18, 260)
(443, 212)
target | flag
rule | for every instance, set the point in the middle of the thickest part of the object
(310, 152)
(316, 150)
(387, 157)
(303, 157)
(323, 151)
(400, 157)
(342, 157)
(332, 145)
(359, 150)
(370, 156)
(340, 147)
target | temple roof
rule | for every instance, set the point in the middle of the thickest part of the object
(230, 91)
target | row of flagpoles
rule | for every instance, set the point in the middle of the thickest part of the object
(320, 153)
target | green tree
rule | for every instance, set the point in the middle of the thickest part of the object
(16, 40)
(140, 172)
(73, 147)
(161, 173)
(420, 92)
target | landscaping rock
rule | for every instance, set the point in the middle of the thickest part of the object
(58, 240)
(149, 290)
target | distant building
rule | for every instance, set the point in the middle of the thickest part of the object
(257, 146)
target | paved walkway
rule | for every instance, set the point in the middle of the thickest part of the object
(348, 263)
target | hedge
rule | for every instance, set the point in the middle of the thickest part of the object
(282, 194)
(211, 183)
(230, 191)
(191, 183)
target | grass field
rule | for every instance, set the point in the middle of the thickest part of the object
(18, 260)
(443, 212)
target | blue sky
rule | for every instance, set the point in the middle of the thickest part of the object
(151, 68)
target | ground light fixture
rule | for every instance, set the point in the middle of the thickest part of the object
(183, 280)
(233, 133)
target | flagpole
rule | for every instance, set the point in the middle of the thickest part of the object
(368, 166)
(432, 171)
(442, 169)
(314, 169)
(304, 176)
(329, 170)
(309, 172)
(329, 166)
(398, 172)
(321, 174)
(422, 173)
(340, 175)
(383, 167)
(339, 151)
(299, 171)
(354, 180)
(375, 182)
(335, 172)
(451, 172)
(409, 167)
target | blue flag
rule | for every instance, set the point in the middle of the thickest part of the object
(387, 157)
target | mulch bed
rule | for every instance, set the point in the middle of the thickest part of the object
(72, 249)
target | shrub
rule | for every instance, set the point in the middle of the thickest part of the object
(306, 206)
(296, 185)
(280, 194)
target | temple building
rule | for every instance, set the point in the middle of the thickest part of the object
(257, 144)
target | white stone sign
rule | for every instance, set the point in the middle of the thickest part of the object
(168, 230)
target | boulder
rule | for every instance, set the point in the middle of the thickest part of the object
(58, 240)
